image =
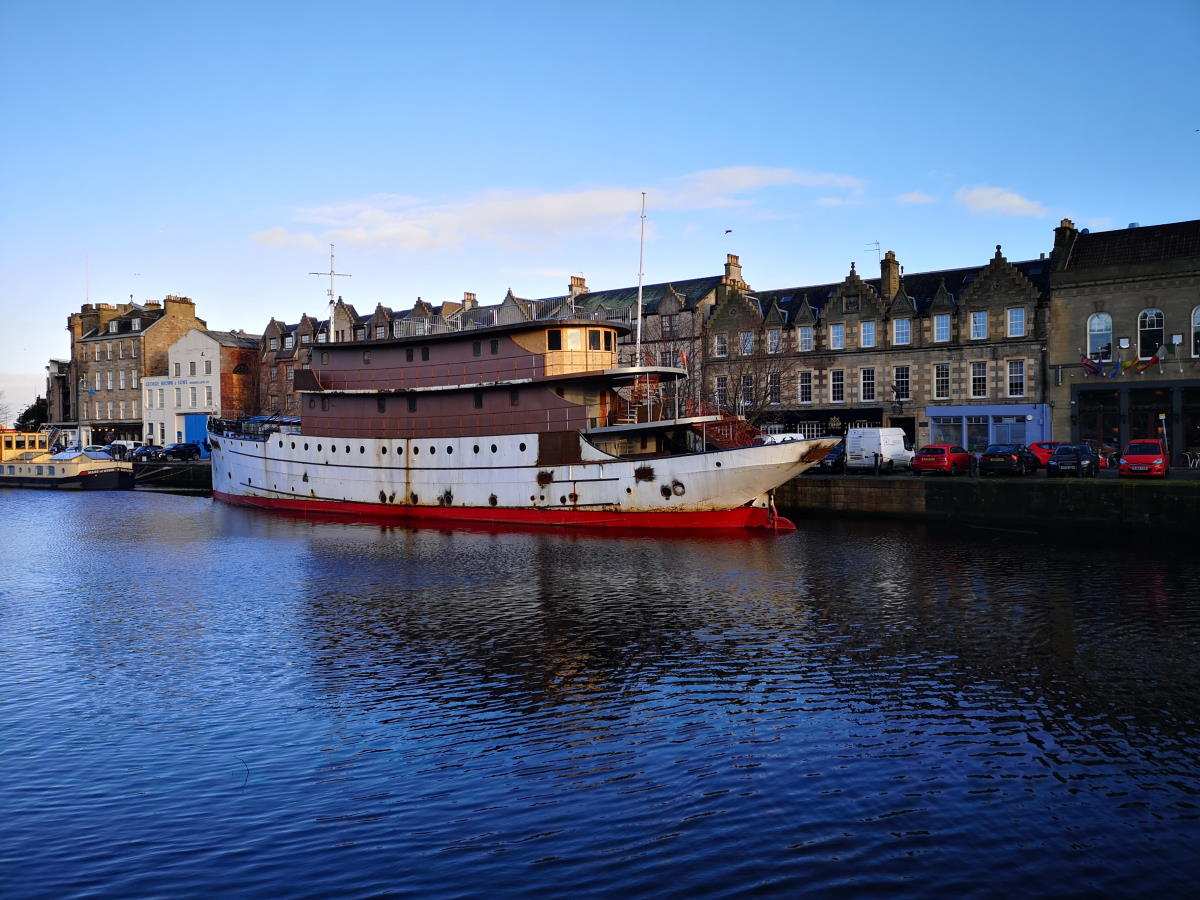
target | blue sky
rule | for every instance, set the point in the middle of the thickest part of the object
(215, 149)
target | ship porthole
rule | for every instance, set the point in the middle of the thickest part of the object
(476, 449)
(347, 448)
(281, 444)
(522, 448)
(293, 445)
(718, 464)
(306, 446)
(629, 490)
(449, 449)
(493, 448)
(416, 450)
(319, 449)
(362, 449)
(563, 500)
(383, 450)
(432, 449)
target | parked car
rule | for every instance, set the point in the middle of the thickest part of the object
(115, 450)
(887, 445)
(834, 461)
(1043, 450)
(1073, 460)
(1007, 459)
(949, 459)
(181, 451)
(1144, 459)
(93, 448)
(146, 452)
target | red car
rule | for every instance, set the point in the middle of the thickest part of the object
(1146, 458)
(1043, 450)
(946, 458)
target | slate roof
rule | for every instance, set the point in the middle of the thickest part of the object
(1135, 246)
(921, 287)
(125, 322)
(236, 339)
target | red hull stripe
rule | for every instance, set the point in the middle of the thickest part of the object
(742, 518)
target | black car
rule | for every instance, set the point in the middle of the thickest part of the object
(1078, 460)
(146, 453)
(181, 451)
(116, 451)
(1007, 459)
(833, 461)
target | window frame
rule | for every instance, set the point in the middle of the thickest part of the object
(907, 395)
(974, 395)
(1022, 376)
(804, 382)
(938, 369)
(907, 342)
(721, 345)
(1142, 328)
(863, 394)
(1097, 355)
(805, 338)
(862, 334)
(975, 316)
(1008, 316)
(837, 385)
(838, 329)
(745, 343)
(940, 319)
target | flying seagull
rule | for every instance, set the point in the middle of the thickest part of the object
(729, 231)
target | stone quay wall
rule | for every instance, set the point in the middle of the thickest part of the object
(1105, 504)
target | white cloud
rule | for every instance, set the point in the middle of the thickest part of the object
(985, 199)
(1099, 223)
(521, 217)
(915, 198)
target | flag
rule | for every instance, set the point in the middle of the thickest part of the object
(1090, 366)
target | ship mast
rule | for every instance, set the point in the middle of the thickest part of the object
(641, 277)
(332, 275)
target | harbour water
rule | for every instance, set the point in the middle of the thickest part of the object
(199, 699)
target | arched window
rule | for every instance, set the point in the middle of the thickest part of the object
(1196, 332)
(1099, 337)
(1150, 332)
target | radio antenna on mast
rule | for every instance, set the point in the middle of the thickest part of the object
(878, 248)
(332, 274)
(641, 278)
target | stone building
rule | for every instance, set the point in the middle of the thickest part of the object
(209, 373)
(1124, 344)
(113, 347)
(60, 406)
(952, 355)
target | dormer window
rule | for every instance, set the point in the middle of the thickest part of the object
(289, 342)
(112, 327)
(360, 334)
(306, 338)
(135, 324)
(941, 327)
(804, 338)
(322, 338)
(396, 328)
(901, 331)
(380, 332)
(274, 343)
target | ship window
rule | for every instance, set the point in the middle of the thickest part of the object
(319, 449)
(347, 448)
(362, 449)
(608, 340)
(416, 451)
(367, 357)
(432, 449)
(324, 359)
(522, 448)
(408, 355)
(594, 340)
(477, 348)
(306, 446)
(476, 448)
(293, 445)
(514, 397)
(412, 403)
(554, 339)
(324, 403)
(381, 404)
(312, 402)
(495, 347)
(493, 448)
(383, 450)
(478, 399)
(449, 450)
(424, 353)
(281, 445)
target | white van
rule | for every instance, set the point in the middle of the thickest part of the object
(863, 445)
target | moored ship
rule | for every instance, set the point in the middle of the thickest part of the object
(73, 469)
(533, 423)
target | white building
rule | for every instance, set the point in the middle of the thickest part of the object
(209, 373)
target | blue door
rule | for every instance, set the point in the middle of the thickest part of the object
(195, 430)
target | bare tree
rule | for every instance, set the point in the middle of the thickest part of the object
(750, 378)
(5, 411)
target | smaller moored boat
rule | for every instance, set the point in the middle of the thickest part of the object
(76, 469)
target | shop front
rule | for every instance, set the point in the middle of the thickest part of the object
(823, 422)
(1112, 415)
(977, 425)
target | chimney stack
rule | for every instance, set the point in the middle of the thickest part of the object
(578, 286)
(469, 301)
(733, 270)
(1064, 240)
(889, 275)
